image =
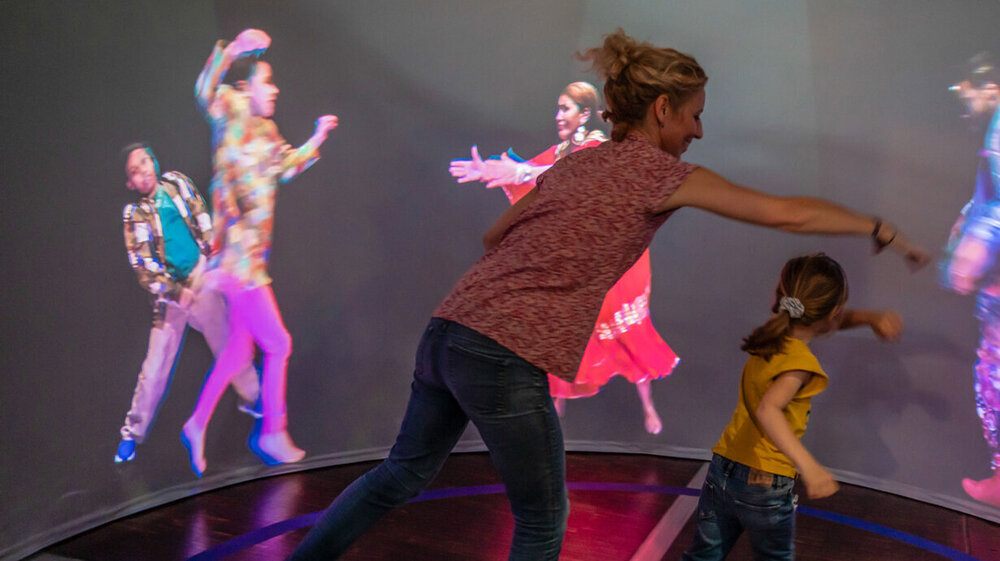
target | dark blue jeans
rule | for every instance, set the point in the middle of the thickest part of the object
(462, 375)
(729, 505)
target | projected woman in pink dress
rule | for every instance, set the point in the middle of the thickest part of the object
(970, 264)
(624, 341)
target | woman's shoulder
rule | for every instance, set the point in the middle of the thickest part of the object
(634, 154)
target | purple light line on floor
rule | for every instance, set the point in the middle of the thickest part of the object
(265, 533)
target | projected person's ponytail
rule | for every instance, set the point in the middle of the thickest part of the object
(811, 289)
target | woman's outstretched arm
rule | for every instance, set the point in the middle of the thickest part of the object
(709, 191)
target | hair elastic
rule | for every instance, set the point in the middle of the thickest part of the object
(793, 306)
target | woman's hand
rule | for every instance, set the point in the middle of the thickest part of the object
(889, 237)
(468, 170)
(916, 257)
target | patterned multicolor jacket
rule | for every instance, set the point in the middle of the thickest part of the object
(250, 158)
(144, 237)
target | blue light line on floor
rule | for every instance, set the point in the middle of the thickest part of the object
(891, 533)
(265, 533)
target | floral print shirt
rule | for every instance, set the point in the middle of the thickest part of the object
(250, 158)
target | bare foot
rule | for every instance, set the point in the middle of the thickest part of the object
(279, 447)
(653, 423)
(987, 490)
(194, 439)
(560, 403)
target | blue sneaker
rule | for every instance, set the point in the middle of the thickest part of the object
(126, 451)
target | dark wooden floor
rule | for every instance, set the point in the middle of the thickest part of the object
(603, 524)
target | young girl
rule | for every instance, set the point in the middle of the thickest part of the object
(750, 478)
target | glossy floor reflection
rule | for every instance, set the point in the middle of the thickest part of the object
(618, 504)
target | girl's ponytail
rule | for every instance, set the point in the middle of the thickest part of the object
(811, 288)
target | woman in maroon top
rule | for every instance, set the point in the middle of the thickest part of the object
(528, 306)
(624, 341)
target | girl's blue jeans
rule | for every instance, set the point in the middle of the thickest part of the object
(729, 505)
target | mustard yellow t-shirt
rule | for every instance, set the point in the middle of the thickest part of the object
(743, 441)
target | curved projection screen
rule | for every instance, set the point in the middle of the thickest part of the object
(843, 100)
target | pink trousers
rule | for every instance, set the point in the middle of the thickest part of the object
(254, 319)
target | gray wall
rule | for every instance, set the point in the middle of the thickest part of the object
(844, 100)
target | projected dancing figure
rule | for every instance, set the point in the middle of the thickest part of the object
(167, 235)
(970, 264)
(624, 341)
(250, 159)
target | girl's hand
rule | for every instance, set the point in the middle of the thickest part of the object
(887, 326)
(819, 482)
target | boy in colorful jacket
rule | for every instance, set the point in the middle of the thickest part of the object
(167, 235)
